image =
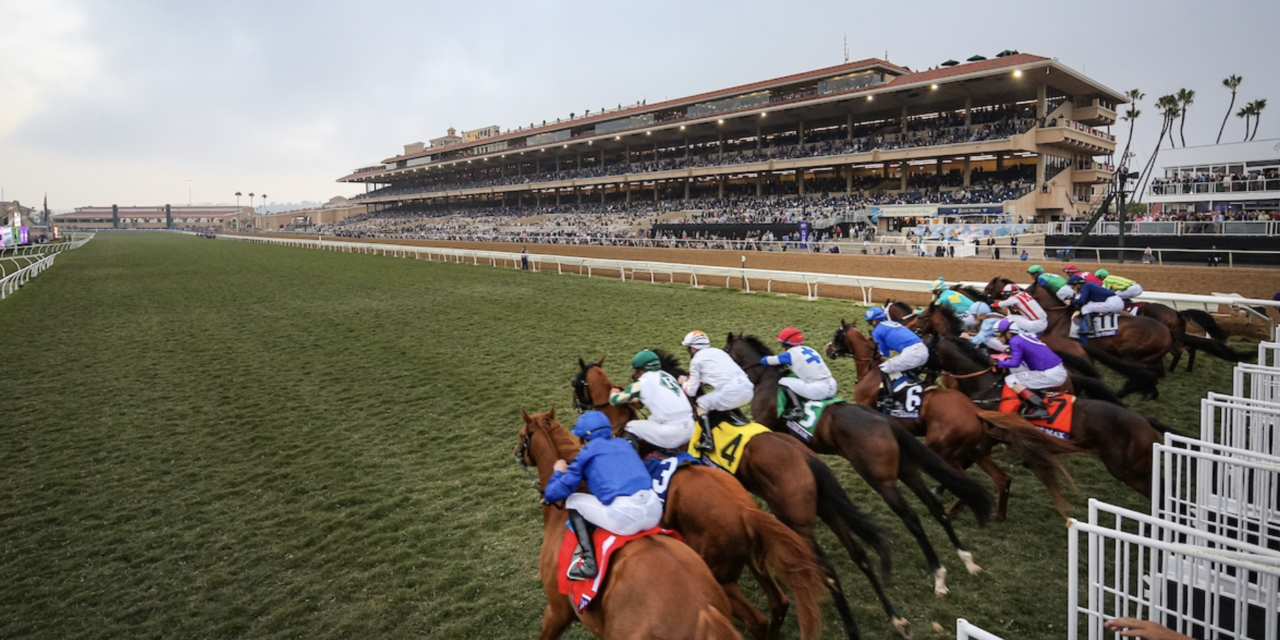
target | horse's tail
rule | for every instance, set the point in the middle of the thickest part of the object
(1095, 389)
(713, 625)
(1207, 323)
(788, 555)
(1078, 364)
(968, 490)
(1159, 426)
(1137, 374)
(1036, 450)
(1215, 348)
(833, 500)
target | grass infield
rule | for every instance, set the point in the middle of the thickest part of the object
(221, 439)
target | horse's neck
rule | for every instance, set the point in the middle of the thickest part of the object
(977, 387)
(545, 453)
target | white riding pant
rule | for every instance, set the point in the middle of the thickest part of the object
(1047, 379)
(1111, 305)
(967, 320)
(1131, 292)
(730, 397)
(626, 515)
(1066, 293)
(913, 357)
(812, 390)
(662, 434)
(995, 345)
(1027, 325)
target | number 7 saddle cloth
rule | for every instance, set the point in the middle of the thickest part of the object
(1060, 407)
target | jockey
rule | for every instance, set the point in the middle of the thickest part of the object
(986, 334)
(621, 498)
(1073, 270)
(1125, 288)
(1032, 365)
(1051, 281)
(712, 366)
(958, 302)
(889, 337)
(670, 423)
(814, 380)
(1030, 317)
(1092, 299)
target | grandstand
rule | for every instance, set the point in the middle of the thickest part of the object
(1009, 139)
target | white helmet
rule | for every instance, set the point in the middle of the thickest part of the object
(696, 339)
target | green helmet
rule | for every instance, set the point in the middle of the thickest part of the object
(1102, 273)
(1035, 269)
(646, 360)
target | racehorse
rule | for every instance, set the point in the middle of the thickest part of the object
(1121, 438)
(769, 467)
(689, 603)
(958, 430)
(879, 450)
(1176, 322)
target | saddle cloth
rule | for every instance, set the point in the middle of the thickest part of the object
(582, 592)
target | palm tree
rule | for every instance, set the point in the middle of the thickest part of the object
(1169, 107)
(1232, 83)
(1258, 105)
(264, 204)
(237, 199)
(1185, 98)
(1245, 112)
(1133, 96)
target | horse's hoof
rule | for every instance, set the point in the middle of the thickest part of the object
(902, 626)
(940, 582)
(996, 517)
(969, 564)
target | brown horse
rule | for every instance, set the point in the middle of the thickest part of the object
(958, 430)
(690, 603)
(880, 450)
(1121, 438)
(769, 467)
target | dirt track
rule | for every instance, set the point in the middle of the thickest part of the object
(1246, 281)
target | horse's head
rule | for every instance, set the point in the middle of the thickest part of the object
(849, 342)
(747, 352)
(939, 320)
(591, 386)
(670, 363)
(839, 345)
(542, 441)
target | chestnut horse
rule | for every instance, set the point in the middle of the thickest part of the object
(958, 430)
(881, 451)
(769, 466)
(1121, 438)
(657, 586)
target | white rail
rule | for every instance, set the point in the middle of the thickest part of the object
(966, 630)
(1217, 489)
(1256, 382)
(632, 269)
(1241, 423)
(1138, 566)
(16, 275)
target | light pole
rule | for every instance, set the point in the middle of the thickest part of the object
(188, 192)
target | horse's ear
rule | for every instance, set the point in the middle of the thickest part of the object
(524, 414)
(843, 324)
(551, 415)
(582, 365)
(600, 362)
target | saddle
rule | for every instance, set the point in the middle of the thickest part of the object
(903, 400)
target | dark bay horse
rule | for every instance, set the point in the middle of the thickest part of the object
(957, 429)
(770, 467)
(881, 451)
(1121, 438)
(691, 604)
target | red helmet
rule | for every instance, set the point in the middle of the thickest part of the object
(1011, 288)
(1071, 268)
(791, 337)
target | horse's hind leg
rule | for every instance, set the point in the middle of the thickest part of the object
(911, 476)
(777, 600)
(757, 623)
(837, 592)
(556, 617)
(859, 556)
(888, 490)
(1002, 481)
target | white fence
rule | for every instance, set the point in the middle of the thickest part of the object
(1143, 567)
(696, 274)
(1217, 489)
(20, 264)
(965, 630)
(1269, 354)
(1242, 423)
(1256, 382)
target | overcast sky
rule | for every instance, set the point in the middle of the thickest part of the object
(133, 101)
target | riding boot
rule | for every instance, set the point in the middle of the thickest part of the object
(1085, 325)
(1037, 410)
(886, 393)
(705, 444)
(795, 408)
(632, 439)
(583, 565)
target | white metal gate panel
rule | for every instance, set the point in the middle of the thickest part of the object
(1256, 382)
(1269, 354)
(1142, 567)
(966, 630)
(1242, 423)
(1216, 489)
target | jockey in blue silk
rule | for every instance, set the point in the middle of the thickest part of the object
(1091, 299)
(986, 335)
(621, 500)
(958, 302)
(890, 336)
(813, 379)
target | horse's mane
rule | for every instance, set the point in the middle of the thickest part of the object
(949, 314)
(974, 293)
(756, 344)
(968, 350)
(670, 363)
(900, 306)
(560, 437)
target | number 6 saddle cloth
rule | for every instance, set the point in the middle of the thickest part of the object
(1060, 407)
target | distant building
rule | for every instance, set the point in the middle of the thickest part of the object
(184, 217)
(1237, 180)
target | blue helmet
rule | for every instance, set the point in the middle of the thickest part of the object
(980, 308)
(1075, 279)
(876, 313)
(591, 425)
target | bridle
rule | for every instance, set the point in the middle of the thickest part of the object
(521, 451)
(582, 393)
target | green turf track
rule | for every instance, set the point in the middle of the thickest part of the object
(214, 439)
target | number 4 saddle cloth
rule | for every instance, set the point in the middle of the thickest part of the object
(730, 441)
(1060, 407)
(582, 592)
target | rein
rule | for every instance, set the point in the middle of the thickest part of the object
(965, 376)
(520, 453)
